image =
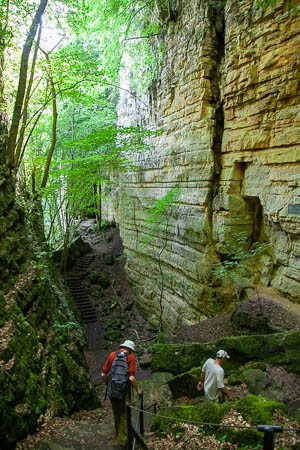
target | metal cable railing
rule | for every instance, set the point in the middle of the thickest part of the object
(134, 436)
(208, 423)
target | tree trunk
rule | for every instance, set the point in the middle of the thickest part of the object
(54, 126)
(98, 204)
(19, 153)
(22, 83)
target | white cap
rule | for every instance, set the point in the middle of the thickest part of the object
(222, 354)
(128, 344)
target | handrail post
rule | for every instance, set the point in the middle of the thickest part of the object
(269, 431)
(129, 432)
(142, 415)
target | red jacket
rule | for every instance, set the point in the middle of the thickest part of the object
(131, 363)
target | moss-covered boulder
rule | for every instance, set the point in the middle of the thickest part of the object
(204, 412)
(234, 379)
(103, 281)
(258, 383)
(258, 410)
(76, 248)
(100, 279)
(259, 365)
(255, 410)
(145, 360)
(276, 349)
(246, 438)
(108, 259)
(113, 335)
(185, 384)
(43, 371)
(156, 388)
(179, 358)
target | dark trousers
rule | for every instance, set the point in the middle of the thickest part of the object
(119, 411)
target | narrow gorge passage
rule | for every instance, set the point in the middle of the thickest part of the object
(104, 301)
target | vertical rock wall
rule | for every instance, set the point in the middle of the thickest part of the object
(227, 98)
(260, 147)
(42, 368)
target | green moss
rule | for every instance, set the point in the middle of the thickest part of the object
(234, 380)
(178, 358)
(275, 349)
(113, 335)
(185, 384)
(205, 412)
(298, 416)
(244, 437)
(49, 371)
(256, 365)
(3, 311)
(258, 410)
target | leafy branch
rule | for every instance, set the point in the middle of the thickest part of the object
(240, 259)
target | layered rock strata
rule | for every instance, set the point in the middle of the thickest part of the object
(227, 98)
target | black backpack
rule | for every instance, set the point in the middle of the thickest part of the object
(118, 377)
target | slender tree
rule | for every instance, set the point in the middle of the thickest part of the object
(13, 132)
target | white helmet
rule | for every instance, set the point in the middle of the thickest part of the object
(129, 344)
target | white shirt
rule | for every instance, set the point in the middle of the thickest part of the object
(214, 380)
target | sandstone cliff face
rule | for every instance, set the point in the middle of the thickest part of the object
(228, 100)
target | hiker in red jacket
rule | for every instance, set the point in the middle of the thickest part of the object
(127, 371)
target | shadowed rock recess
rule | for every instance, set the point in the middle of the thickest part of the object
(227, 97)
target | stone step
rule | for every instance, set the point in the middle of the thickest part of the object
(78, 291)
(81, 299)
(89, 312)
(85, 308)
(85, 317)
(89, 320)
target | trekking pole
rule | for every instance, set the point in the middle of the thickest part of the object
(269, 431)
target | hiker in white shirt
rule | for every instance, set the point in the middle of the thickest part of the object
(212, 378)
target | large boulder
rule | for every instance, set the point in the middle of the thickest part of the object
(255, 410)
(253, 375)
(185, 384)
(275, 349)
(259, 383)
(76, 249)
(262, 316)
(156, 388)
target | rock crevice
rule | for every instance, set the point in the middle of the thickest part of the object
(227, 99)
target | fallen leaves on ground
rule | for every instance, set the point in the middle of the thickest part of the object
(191, 438)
